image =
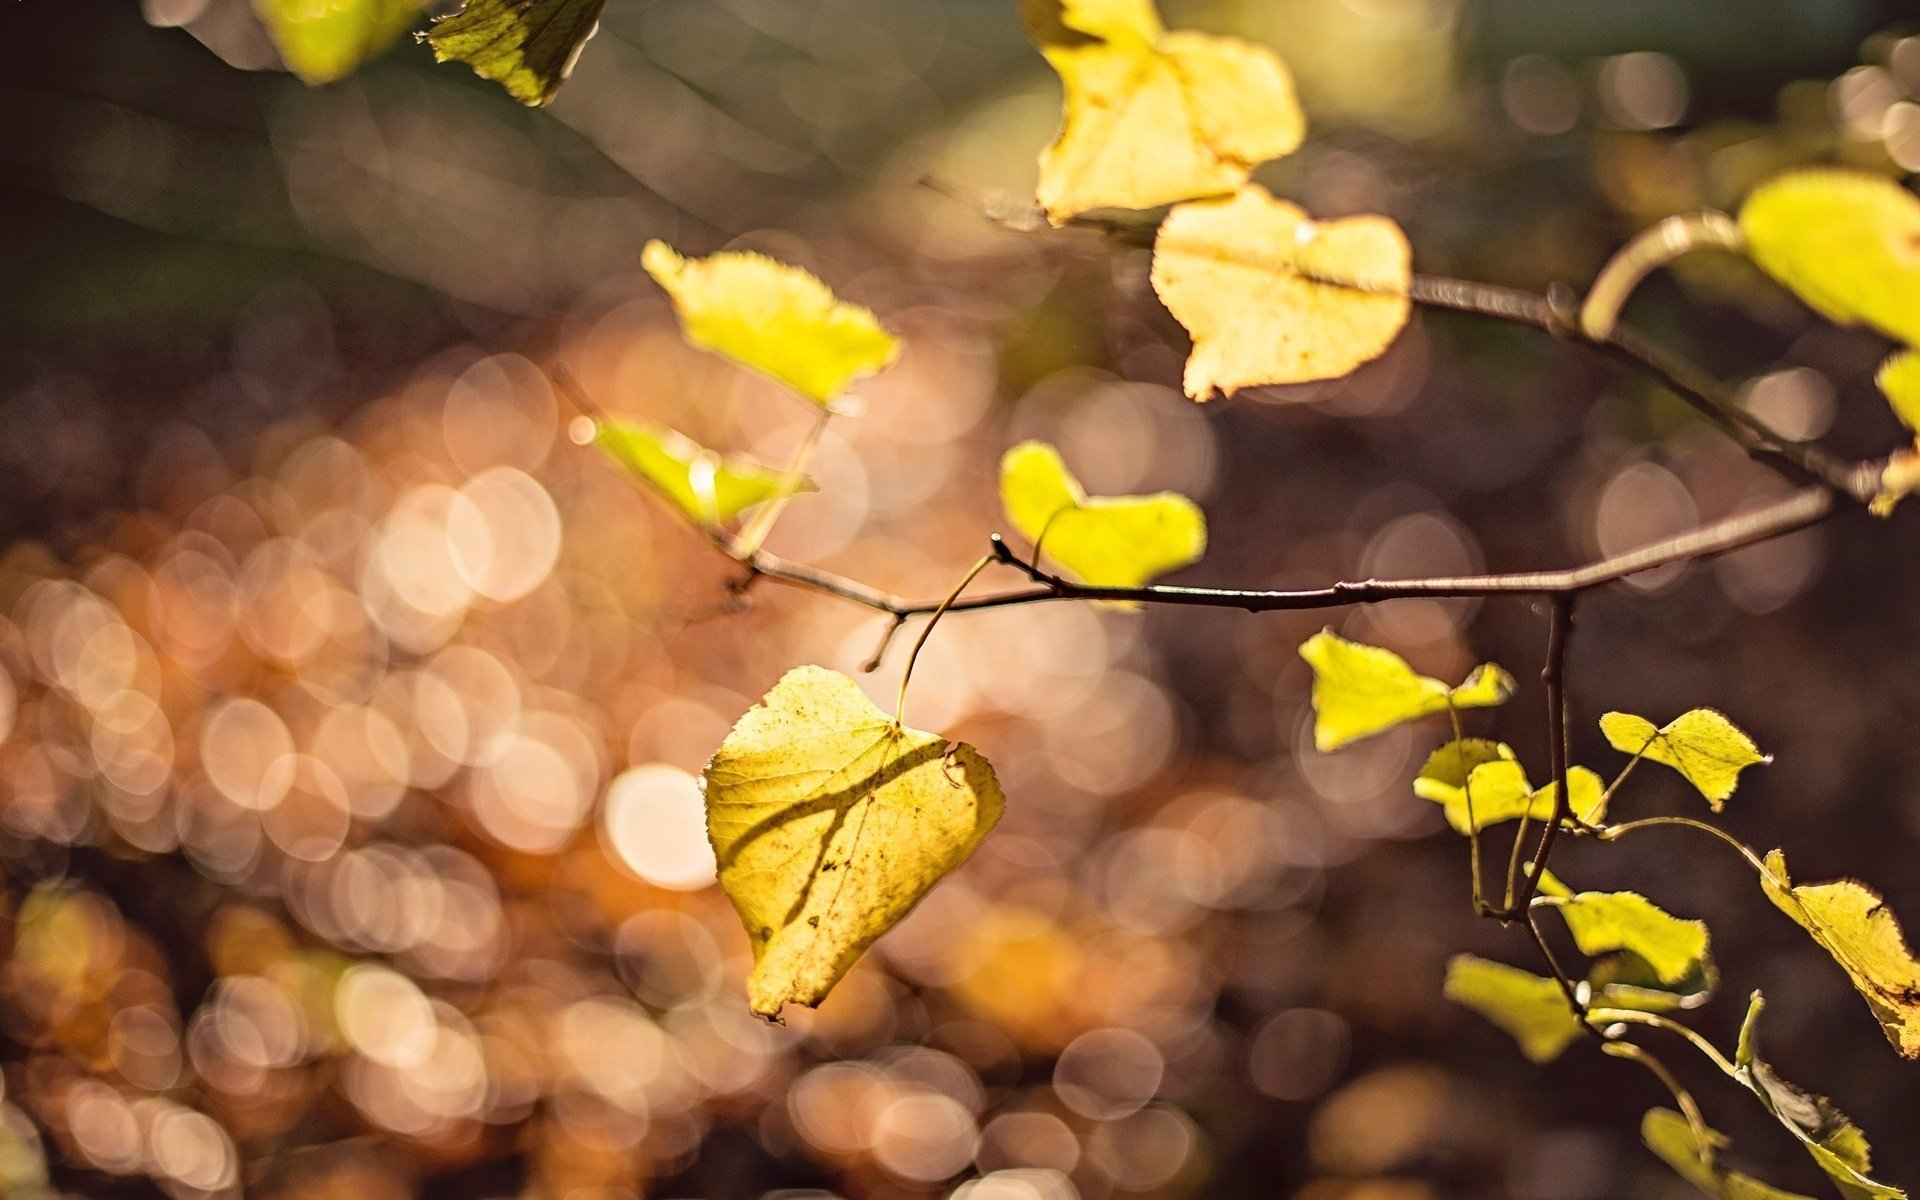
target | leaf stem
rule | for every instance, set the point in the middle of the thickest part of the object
(1610, 833)
(757, 529)
(1634, 1016)
(906, 676)
(1649, 250)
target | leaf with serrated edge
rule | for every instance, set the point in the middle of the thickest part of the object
(1603, 922)
(1360, 690)
(1706, 748)
(772, 318)
(1854, 925)
(1531, 1009)
(1153, 117)
(708, 489)
(1106, 541)
(1271, 296)
(324, 42)
(1846, 242)
(1836, 1143)
(829, 822)
(526, 46)
(1669, 1136)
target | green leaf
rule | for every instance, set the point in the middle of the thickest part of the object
(1899, 380)
(830, 821)
(1846, 242)
(772, 318)
(708, 489)
(325, 40)
(1701, 744)
(1530, 1008)
(1603, 922)
(1854, 925)
(1360, 690)
(1836, 1143)
(525, 46)
(1107, 541)
(1152, 117)
(1668, 1135)
(1625, 980)
(1495, 787)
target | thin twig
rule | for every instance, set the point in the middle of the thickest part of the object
(1554, 675)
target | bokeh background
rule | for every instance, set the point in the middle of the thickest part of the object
(350, 713)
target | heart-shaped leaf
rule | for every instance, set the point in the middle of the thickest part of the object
(708, 489)
(1496, 790)
(1846, 242)
(1153, 117)
(1703, 745)
(1105, 541)
(772, 318)
(1855, 925)
(1531, 1008)
(324, 42)
(525, 46)
(1272, 296)
(830, 821)
(1360, 690)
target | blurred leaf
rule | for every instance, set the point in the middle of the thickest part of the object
(1360, 690)
(707, 489)
(1153, 117)
(772, 318)
(1498, 791)
(1701, 744)
(1603, 922)
(1836, 1143)
(1272, 296)
(830, 821)
(1625, 980)
(325, 40)
(1855, 926)
(525, 46)
(1530, 1008)
(1107, 541)
(1899, 380)
(1668, 1135)
(1846, 242)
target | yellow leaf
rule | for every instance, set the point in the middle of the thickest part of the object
(1669, 1135)
(1855, 926)
(1495, 789)
(1532, 1009)
(1359, 690)
(1154, 117)
(325, 40)
(1603, 922)
(1899, 380)
(708, 489)
(1272, 296)
(1107, 541)
(772, 318)
(830, 821)
(526, 46)
(1706, 748)
(1846, 242)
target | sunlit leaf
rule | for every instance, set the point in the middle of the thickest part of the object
(772, 318)
(1603, 922)
(1846, 242)
(1106, 541)
(1625, 980)
(1153, 117)
(1701, 744)
(830, 821)
(1836, 1143)
(526, 46)
(1272, 296)
(1899, 380)
(1530, 1008)
(1855, 926)
(708, 489)
(325, 40)
(1360, 690)
(1668, 1135)
(1498, 791)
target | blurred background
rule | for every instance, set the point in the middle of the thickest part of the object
(351, 715)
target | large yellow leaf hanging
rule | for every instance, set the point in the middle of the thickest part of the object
(1152, 116)
(1706, 748)
(1855, 926)
(830, 821)
(1846, 242)
(1271, 296)
(773, 318)
(1106, 541)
